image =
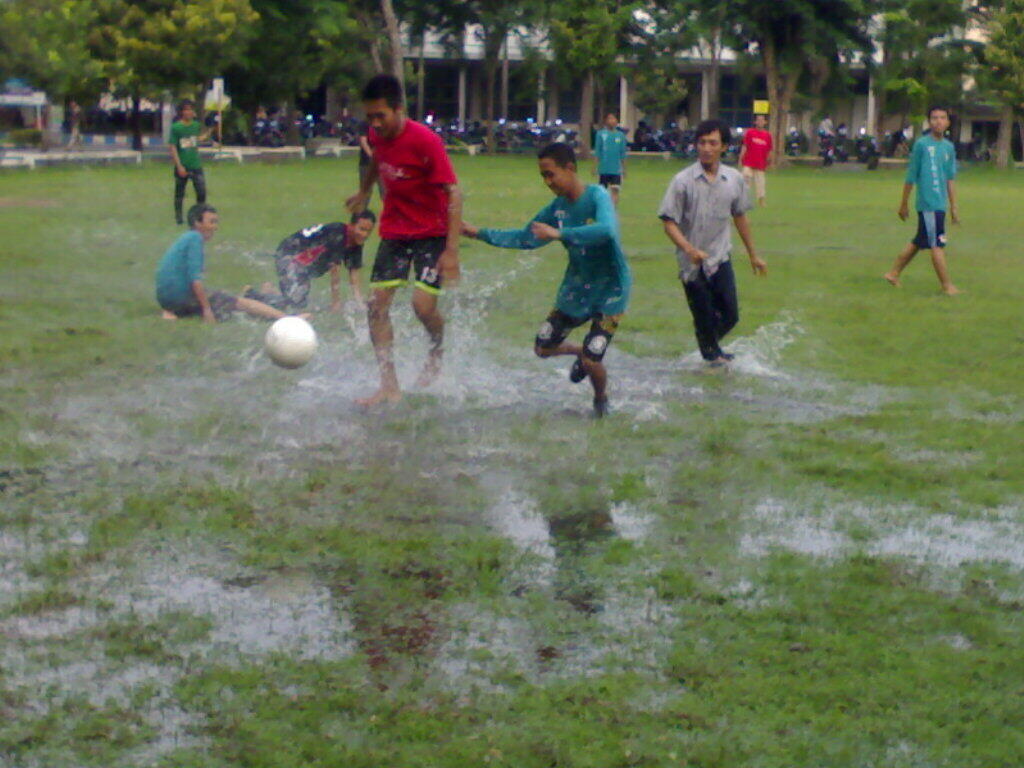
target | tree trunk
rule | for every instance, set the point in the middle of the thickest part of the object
(820, 71)
(772, 78)
(395, 41)
(715, 75)
(504, 81)
(600, 102)
(375, 57)
(1020, 133)
(136, 123)
(878, 129)
(881, 98)
(492, 50)
(292, 138)
(421, 76)
(490, 75)
(781, 87)
(586, 115)
(1003, 143)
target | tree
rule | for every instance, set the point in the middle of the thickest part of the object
(149, 46)
(922, 59)
(492, 21)
(299, 45)
(662, 33)
(1003, 73)
(44, 41)
(588, 37)
(785, 33)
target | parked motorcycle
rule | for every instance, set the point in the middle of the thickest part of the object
(796, 143)
(866, 149)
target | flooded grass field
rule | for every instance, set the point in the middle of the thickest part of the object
(812, 559)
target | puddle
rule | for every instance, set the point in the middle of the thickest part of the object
(562, 618)
(934, 539)
(288, 613)
(62, 654)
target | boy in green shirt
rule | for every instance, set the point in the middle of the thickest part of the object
(932, 168)
(186, 134)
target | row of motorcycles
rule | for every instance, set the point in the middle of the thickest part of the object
(272, 131)
(510, 136)
(836, 148)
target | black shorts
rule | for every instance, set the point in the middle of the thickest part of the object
(394, 257)
(556, 328)
(610, 180)
(931, 229)
(222, 304)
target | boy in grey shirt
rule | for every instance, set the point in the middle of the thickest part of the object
(695, 212)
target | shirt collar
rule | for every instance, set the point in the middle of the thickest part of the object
(698, 171)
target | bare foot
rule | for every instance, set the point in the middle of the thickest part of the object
(431, 370)
(952, 291)
(893, 279)
(379, 397)
(166, 315)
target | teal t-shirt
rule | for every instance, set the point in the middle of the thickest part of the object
(180, 267)
(597, 279)
(610, 148)
(185, 138)
(932, 164)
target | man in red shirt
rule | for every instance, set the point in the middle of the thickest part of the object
(419, 227)
(756, 156)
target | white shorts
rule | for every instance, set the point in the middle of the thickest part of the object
(756, 180)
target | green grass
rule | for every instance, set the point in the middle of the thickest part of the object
(814, 560)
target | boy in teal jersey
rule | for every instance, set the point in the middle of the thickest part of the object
(597, 279)
(180, 290)
(932, 169)
(610, 149)
(186, 134)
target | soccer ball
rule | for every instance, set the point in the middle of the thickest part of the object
(290, 342)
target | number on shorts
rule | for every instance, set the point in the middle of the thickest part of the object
(429, 275)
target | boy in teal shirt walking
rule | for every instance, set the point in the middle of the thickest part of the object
(610, 150)
(932, 169)
(597, 280)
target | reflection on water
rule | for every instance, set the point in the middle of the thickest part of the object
(578, 514)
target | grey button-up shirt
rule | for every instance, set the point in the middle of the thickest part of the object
(703, 211)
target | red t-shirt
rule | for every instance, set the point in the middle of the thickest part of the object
(414, 169)
(759, 145)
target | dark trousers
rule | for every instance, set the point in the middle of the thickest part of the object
(715, 308)
(180, 182)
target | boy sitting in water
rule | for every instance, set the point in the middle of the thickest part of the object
(179, 279)
(597, 280)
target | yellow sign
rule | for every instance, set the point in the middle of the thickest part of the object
(761, 107)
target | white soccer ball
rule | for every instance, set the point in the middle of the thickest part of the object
(290, 342)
